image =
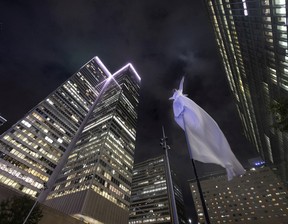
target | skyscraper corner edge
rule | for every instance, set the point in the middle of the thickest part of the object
(127, 66)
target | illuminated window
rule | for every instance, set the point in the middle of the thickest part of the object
(245, 7)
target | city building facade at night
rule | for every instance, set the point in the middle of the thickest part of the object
(252, 40)
(150, 199)
(257, 197)
(91, 121)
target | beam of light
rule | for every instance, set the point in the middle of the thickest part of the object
(111, 76)
(103, 67)
(120, 70)
(133, 69)
(3, 119)
(125, 67)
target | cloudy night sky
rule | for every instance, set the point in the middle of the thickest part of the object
(42, 43)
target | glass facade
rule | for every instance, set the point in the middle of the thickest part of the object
(252, 41)
(104, 154)
(100, 160)
(150, 196)
(257, 197)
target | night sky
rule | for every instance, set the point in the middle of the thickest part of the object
(42, 43)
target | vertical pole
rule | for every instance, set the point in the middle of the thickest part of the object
(205, 210)
(169, 181)
(31, 210)
(201, 193)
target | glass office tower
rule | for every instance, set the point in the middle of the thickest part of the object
(252, 40)
(91, 119)
(150, 200)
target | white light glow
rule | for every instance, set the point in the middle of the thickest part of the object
(245, 7)
(102, 66)
(59, 140)
(96, 123)
(133, 69)
(124, 128)
(20, 175)
(120, 70)
(48, 139)
(3, 119)
(125, 67)
(50, 102)
(74, 118)
(26, 123)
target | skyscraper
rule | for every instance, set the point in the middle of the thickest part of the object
(257, 197)
(90, 119)
(252, 41)
(150, 201)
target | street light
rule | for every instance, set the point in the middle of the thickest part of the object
(163, 143)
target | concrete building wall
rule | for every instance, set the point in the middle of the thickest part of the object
(85, 204)
(50, 215)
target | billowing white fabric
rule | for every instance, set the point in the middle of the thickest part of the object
(207, 142)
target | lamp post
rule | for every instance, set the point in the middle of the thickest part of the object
(205, 210)
(31, 210)
(170, 188)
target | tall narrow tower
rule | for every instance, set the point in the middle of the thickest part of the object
(252, 40)
(92, 116)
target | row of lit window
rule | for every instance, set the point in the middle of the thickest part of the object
(111, 179)
(153, 220)
(45, 125)
(65, 109)
(123, 155)
(109, 197)
(21, 156)
(48, 139)
(18, 175)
